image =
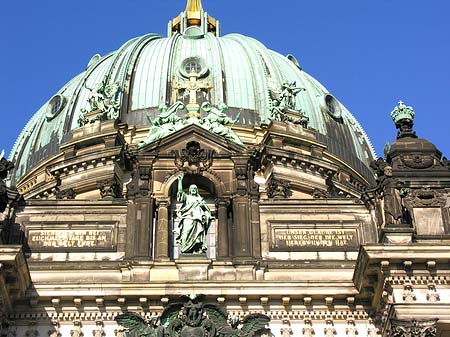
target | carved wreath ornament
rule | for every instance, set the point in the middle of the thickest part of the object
(192, 319)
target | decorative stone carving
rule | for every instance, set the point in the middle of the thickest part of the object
(76, 331)
(55, 330)
(193, 318)
(425, 197)
(320, 194)
(286, 330)
(103, 101)
(68, 194)
(139, 184)
(372, 330)
(98, 331)
(109, 189)
(278, 189)
(242, 174)
(408, 293)
(417, 160)
(329, 329)
(308, 330)
(351, 330)
(432, 294)
(412, 328)
(197, 159)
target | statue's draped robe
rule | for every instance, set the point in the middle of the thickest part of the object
(195, 217)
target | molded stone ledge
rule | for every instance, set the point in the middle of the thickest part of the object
(14, 275)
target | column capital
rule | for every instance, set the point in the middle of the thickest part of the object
(163, 202)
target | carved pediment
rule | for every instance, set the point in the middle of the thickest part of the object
(177, 141)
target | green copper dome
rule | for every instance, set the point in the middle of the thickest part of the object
(237, 70)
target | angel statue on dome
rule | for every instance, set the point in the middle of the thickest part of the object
(195, 217)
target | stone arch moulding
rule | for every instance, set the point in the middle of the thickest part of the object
(210, 175)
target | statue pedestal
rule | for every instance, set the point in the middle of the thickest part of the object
(193, 112)
(193, 267)
(397, 234)
(190, 257)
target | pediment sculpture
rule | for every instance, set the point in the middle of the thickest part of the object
(168, 122)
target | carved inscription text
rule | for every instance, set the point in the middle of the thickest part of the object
(71, 239)
(298, 239)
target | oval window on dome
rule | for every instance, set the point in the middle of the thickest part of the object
(193, 67)
(332, 106)
(55, 106)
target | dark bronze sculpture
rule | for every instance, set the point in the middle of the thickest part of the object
(388, 192)
(192, 319)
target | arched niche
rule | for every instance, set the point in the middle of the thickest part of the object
(210, 191)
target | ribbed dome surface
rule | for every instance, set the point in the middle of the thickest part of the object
(242, 73)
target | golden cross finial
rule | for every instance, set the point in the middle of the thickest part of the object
(194, 6)
(194, 12)
(194, 16)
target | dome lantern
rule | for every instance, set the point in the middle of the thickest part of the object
(193, 16)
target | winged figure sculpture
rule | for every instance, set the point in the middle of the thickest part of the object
(193, 318)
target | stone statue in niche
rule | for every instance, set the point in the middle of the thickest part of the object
(389, 192)
(195, 218)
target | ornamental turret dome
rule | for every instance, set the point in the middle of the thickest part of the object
(153, 70)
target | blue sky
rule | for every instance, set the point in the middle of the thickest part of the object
(368, 53)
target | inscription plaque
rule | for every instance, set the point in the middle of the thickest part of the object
(57, 239)
(304, 239)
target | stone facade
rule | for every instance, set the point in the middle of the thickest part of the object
(298, 233)
(328, 265)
